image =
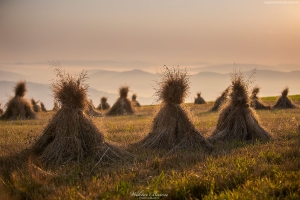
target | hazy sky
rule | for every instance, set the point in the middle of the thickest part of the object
(160, 32)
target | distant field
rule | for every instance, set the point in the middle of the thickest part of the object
(236, 170)
(293, 97)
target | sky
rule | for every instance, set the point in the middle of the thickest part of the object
(189, 33)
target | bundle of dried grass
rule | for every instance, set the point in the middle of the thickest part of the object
(284, 101)
(43, 108)
(199, 99)
(134, 102)
(35, 106)
(1, 109)
(123, 105)
(103, 104)
(255, 101)
(56, 106)
(221, 100)
(71, 136)
(172, 129)
(91, 110)
(18, 107)
(237, 121)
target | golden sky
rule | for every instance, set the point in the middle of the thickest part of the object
(160, 32)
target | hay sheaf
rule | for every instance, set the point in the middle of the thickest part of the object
(43, 108)
(237, 121)
(71, 136)
(35, 106)
(123, 105)
(91, 111)
(20, 89)
(255, 101)
(199, 99)
(284, 101)
(134, 102)
(56, 106)
(103, 104)
(221, 100)
(172, 128)
(1, 109)
(18, 107)
(173, 86)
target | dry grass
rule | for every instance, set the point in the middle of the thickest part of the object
(103, 104)
(221, 100)
(71, 136)
(35, 106)
(43, 108)
(123, 105)
(18, 107)
(56, 106)
(199, 99)
(172, 128)
(284, 102)
(91, 110)
(235, 170)
(237, 121)
(255, 101)
(134, 102)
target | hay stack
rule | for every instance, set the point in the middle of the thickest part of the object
(71, 136)
(199, 99)
(91, 110)
(172, 128)
(1, 109)
(134, 102)
(255, 101)
(18, 107)
(220, 100)
(103, 104)
(237, 121)
(123, 105)
(284, 101)
(35, 106)
(43, 108)
(56, 106)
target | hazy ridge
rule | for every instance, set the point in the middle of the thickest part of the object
(106, 83)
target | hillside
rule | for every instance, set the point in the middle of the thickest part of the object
(211, 84)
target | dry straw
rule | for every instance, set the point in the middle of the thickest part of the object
(172, 129)
(255, 101)
(71, 136)
(35, 106)
(237, 121)
(1, 109)
(18, 107)
(91, 110)
(43, 108)
(56, 106)
(134, 102)
(103, 104)
(123, 105)
(199, 99)
(284, 101)
(221, 100)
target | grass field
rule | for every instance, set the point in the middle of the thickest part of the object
(235, 170)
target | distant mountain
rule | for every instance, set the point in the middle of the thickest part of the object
(139, 81)
(211, 84)
(11, 76)
(227, 68)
